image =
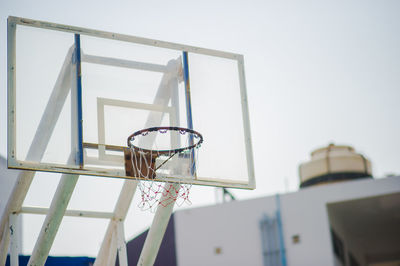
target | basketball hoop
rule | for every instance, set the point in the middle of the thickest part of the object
(162, 152)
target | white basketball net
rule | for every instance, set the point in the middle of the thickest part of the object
(161, 159)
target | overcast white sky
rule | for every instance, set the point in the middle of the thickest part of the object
(317, 72)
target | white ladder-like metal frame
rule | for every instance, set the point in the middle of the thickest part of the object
(114, 239)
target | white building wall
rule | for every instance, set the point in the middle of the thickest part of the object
(303, 214)
(311, 221)
(234, 227)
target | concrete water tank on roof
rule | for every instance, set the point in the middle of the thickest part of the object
(332, 164)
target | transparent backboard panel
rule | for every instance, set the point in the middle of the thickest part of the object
(40, 55)
(61, 121)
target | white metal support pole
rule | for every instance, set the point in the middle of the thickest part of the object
(68, 181)
(107, 246)
(5, 241)
(14, 235)
(122, 254)
(37, 149)
(53, 219)
(107, 249)
(156, 233)
(112, 253)
(168, 89)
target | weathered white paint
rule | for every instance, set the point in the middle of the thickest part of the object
(121, 37)
(8, 179)
(67, 182)
(73, 213)
(40, 140)
(112, 253)
(97, 171)
(15, 241)
(5, 241)
(121, 245)
(53, 219)
(108, 247)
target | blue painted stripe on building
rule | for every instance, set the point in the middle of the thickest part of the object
(281, 240)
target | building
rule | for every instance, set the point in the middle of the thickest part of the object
(348, 223)
(352, 222)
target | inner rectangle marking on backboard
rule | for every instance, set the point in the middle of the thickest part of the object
(102, 102)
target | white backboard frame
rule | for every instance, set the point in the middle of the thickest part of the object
(13, 162)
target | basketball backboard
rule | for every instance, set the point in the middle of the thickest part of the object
(75, 95)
